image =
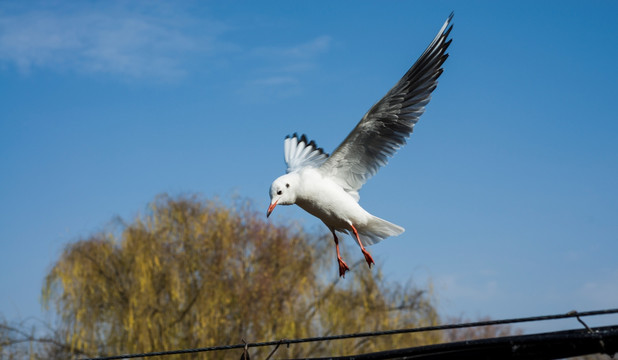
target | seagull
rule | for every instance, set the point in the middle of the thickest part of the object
(327, 186)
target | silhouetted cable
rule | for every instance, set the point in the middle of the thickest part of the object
(571, 314)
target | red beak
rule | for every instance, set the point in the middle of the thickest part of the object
(271, 208)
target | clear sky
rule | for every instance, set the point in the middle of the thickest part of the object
(508, 188)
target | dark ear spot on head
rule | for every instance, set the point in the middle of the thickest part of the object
(287, 185)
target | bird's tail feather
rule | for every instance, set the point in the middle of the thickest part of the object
(377, 230)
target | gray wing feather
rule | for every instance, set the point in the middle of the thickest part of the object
(385, 127)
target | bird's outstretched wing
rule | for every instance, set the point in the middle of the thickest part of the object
(299, 153)
(385, 127)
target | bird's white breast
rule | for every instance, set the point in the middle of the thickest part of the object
(328, 201)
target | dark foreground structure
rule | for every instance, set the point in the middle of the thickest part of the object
(553, 345)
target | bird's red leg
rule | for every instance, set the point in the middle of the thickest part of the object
(368, 257)
(343, 267)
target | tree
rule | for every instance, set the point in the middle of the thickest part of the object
(24, 340)
(193, 273)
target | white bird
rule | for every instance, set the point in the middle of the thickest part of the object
(327, 187)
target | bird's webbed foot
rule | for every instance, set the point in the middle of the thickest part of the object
(368, 258)
(343, 267)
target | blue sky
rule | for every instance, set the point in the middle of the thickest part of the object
(507, 188)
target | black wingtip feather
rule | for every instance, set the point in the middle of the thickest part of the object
(446, 34)
(303, 138)
(447, 44)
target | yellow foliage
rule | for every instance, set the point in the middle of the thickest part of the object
(194, 273)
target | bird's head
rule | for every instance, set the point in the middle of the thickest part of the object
(282, 192)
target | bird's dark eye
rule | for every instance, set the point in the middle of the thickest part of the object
(287, 185)
(279, 192)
